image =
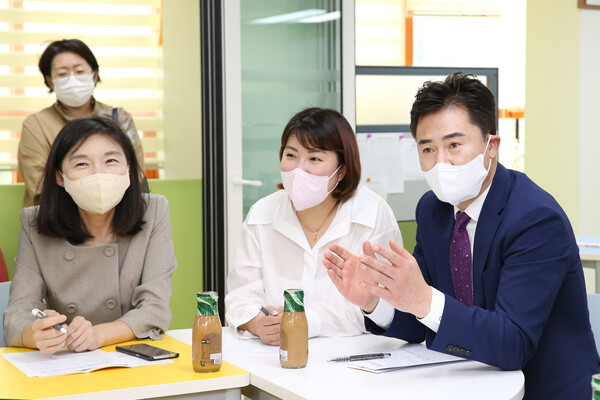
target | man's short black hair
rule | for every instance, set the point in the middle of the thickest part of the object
(457, 90)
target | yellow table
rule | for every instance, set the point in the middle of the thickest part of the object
(154, 381)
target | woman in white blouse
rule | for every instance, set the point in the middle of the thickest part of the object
(285, 234)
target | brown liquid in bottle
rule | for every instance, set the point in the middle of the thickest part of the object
(293, 336)
(206, 334)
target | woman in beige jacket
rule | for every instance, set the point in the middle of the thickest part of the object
(96, 255)
(71, 71)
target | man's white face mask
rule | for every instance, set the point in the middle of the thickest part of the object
(457, 183)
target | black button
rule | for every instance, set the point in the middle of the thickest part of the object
(450, 347)
(456, 349)
(462, 351)
(468, 353)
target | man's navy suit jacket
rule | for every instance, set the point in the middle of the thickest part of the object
(530, 307)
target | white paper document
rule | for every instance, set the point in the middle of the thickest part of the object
(63, 362)
(409, 355)
(381, 161)
(582, 244)
(410, 160)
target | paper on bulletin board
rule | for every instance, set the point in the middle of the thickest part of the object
(381, 161)
(410, 160)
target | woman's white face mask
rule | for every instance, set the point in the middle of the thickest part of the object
(74, 90)
(304, 189)
(457, 183)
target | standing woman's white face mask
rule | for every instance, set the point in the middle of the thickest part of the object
(72, 79)
(96, 175)
(308, 175)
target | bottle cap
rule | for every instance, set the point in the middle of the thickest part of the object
(207, 303)
(293, 300)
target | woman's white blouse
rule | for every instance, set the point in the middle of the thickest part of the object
(273, 254)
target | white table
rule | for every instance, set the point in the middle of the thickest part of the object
(325, 380)
(589, 250)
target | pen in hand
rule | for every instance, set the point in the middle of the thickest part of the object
(360, 357)
(41, 315)
(266, 312)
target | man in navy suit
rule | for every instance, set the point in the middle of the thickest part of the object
(495, 275)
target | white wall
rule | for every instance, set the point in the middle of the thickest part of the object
(589, 124)
(182, 121)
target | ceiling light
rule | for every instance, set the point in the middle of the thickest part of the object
(289, 17)
(321, 18)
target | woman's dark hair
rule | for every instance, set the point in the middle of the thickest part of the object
(458, 90)
(66, 46)
(58, 214)
(324, 129)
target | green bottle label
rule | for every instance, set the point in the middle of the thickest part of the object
(596, 386)
(207, 303)
(293, 300)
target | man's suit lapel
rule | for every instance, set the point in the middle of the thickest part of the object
(488, 223)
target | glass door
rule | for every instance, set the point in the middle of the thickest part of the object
(290, 60)
(281, 56)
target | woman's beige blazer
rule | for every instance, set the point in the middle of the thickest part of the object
(128, 279)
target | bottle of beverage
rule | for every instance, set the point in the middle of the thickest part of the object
(206, 334)
(293, 334)
(596, 387)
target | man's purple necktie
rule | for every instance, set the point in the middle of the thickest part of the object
(460, 260)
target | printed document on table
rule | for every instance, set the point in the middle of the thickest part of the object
(409, 355)
(63, 362)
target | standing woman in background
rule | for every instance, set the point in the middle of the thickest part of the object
(70, 70)
(285, 234)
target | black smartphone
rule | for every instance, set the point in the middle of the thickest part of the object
(147, 352)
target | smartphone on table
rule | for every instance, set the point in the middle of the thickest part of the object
(147, 352)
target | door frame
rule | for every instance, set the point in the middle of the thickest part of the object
(214, 195)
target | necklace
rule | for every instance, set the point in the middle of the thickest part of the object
(316, 231)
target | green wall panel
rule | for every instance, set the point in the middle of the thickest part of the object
(185, 205)
(11, 202)
(409, 234)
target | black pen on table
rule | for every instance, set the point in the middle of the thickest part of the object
(41, 315)
(266, 312)
(361, 357)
